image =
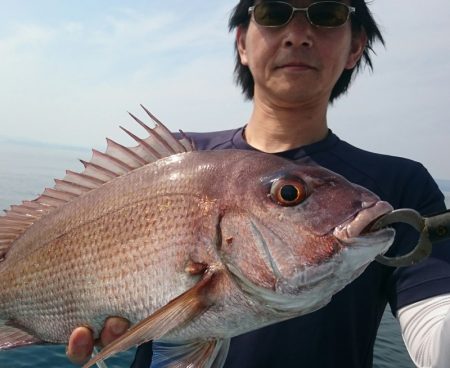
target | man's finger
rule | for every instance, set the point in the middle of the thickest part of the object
(114, 328)
(81, 344)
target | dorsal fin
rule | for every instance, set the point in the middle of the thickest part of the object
(105, 166)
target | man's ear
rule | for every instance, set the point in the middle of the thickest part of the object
(359, 41)
(241, 34)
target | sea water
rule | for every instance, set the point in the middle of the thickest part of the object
(25, 169)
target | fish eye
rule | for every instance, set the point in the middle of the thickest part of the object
(288, 192)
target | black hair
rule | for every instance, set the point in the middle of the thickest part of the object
(361, 21)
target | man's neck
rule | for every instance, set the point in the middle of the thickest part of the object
(280, 129)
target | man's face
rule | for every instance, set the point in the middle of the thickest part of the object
(298, 62)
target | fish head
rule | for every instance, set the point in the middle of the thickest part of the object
(296, 233)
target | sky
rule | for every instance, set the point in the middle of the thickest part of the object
(71, 70)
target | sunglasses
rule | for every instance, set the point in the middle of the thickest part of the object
(329, 14)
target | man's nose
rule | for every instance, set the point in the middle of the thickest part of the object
(299, 31)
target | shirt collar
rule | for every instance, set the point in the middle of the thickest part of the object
(294, 153)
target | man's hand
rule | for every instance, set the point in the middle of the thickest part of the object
(81, 342)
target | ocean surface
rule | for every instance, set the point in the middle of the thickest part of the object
(26, 169)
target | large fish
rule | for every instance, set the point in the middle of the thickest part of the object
(192, 247)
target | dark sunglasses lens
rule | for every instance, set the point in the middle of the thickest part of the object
(272, 14)
(328, 14)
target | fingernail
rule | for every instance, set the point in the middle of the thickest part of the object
(119, 328)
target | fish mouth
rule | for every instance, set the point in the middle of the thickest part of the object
(359, 225)
(360, 245)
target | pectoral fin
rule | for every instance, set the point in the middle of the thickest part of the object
(177, 312)
(14, 337)
(199, 353)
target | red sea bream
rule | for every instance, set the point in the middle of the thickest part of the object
(192, 247)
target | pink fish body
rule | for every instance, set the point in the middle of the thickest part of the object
(192, 247)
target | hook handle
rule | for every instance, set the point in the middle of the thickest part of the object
(438, 226)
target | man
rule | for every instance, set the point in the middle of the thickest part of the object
(292, 62)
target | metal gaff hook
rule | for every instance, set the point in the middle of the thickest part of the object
(432, 229)
(423, 247)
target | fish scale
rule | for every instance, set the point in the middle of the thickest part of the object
(191, 247)
(96, 242)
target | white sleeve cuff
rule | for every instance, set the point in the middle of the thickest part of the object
(425, 328)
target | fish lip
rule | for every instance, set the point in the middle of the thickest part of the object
(355, 226)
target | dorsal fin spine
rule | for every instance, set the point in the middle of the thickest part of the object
(101, 169)
(163, 127)
(95, 181)
(57, 194)
(19, 209)
(75, 185)
(143, 144)
(10, 216)
(114, 160)
(8, 221)
(71, 187)
(127, 151)
(32, 205)
(191, 142)
(153, 117)
(10, 236)
(153, 133)
(51, 201)
(10, 227)
(17, 216)
(10, 232)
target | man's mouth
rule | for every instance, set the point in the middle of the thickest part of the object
(296, 66)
